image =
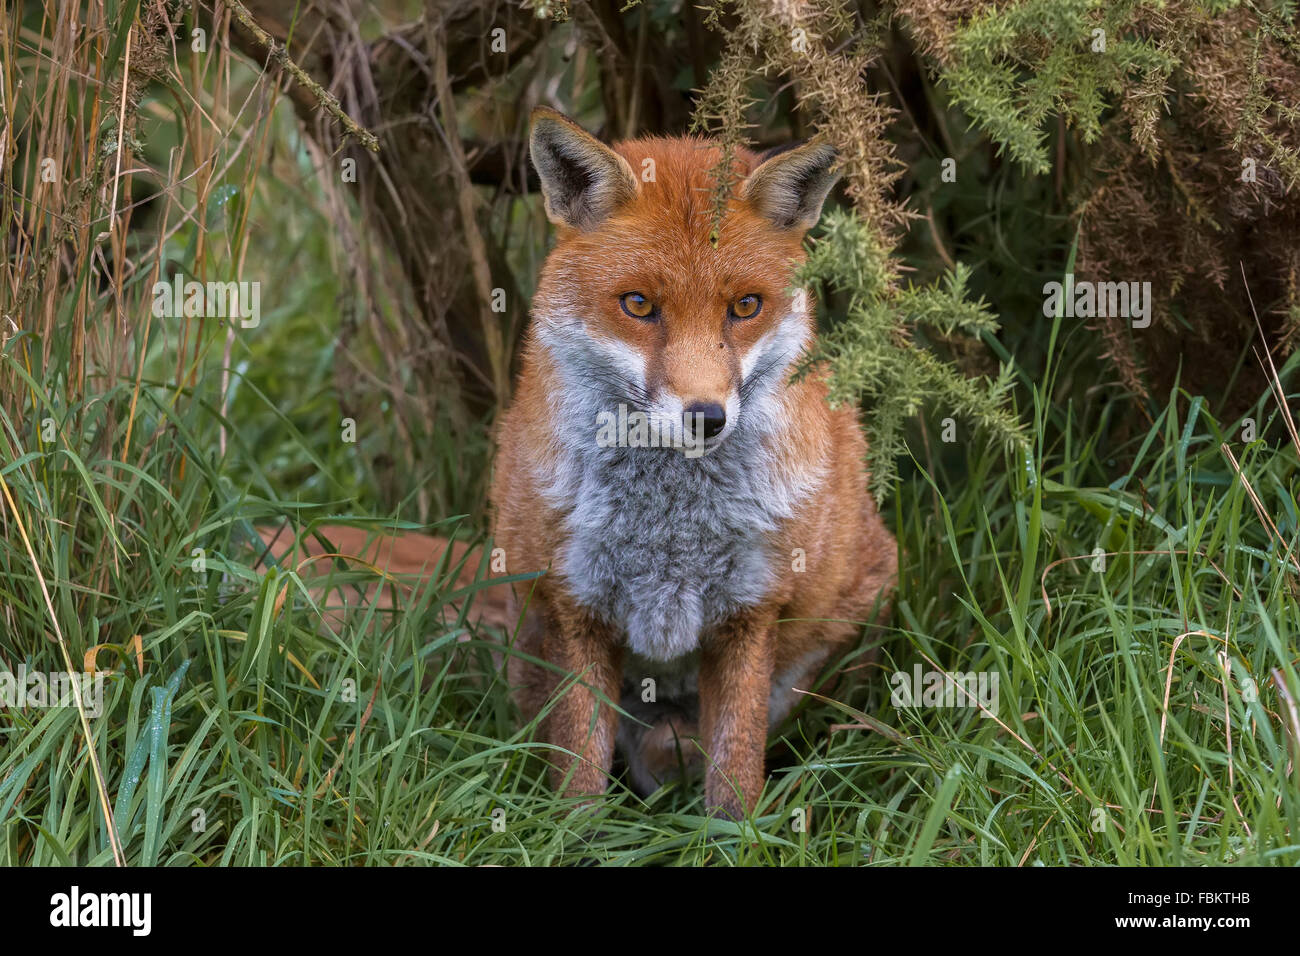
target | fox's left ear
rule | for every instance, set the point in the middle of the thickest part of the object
(790, 186)
(583, 180)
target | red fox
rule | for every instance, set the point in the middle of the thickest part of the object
(703, 521)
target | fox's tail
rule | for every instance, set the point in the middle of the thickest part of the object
(403, 561)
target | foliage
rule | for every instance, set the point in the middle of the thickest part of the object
(1189, 108)
(875, 361)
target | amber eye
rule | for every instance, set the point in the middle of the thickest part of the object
(637, 305)
(746, 307)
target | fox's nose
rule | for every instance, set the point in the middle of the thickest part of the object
(708, 417)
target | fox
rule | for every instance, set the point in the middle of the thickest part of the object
(696, 583)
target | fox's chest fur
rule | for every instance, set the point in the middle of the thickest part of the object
(664, 546)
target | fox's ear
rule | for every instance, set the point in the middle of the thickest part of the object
(791, 183)
(583, 180)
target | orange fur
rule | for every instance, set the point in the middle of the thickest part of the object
(658, 243)
(625, 234)
(402, 562)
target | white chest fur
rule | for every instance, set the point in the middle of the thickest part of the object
(660, 544)
(665, 546)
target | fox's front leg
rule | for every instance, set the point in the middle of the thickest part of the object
(735, 681)
(581, 722)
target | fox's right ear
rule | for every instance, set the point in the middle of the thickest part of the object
(583, 180)
(790, 184)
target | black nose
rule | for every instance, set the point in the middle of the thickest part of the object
(708, 416)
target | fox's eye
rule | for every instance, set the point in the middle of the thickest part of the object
(637, 305)
(746, 307)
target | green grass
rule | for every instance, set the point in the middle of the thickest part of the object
(258, 736)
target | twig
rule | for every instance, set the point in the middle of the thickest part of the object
(1259, 508)
(1169, 678)
(121, 123)
(109, 823)
(1226, 664)
(327, 99)
(1292, 722)
(1042, 582)
(477, 247)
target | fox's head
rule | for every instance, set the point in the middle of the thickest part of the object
(643, 303)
